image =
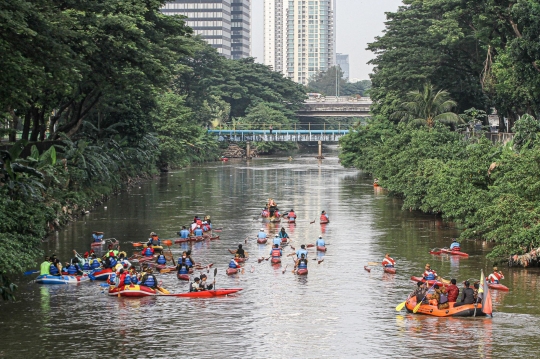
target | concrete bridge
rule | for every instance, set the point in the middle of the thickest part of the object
(336, 107)
(278, 135)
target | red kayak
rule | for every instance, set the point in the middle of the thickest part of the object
(498, 287)
(262, 240)
(389, 270)
(430, 282)
(102, 274)
(321, 249)
(454, 253)
(275, 260)
(325, 222)
(132, 291)
(284, 240)
(241, 260)
(183, 276)
(214, 238)
(231, 271)
(302, 271)
(206, 293)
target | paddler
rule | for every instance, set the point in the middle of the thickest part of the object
(203, 285)
(183, 264)
(291, 215)
(56, 266)
(455, 245)
(95, 262)
(208, 221)
(320, 242)
(184, 233)
(198, 232)
(240, 252)
(301, 263)
(496, 276)
(429, 274)
(234, 264)
(149, 280)
(148, 251)
(468, 295)
(388, 261)
(194, 286)
(276, 240)
(190, 260)
(302, 251)
(44, 268)
(134, 276)
(265, 213)
(161, 260)
(153, 240)
(276, 251)
(283, 234)
(111, 261)
(261, 234)
(97, 236)
(452, 290)
(324, 217)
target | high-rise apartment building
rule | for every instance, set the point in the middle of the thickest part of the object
(224, 24)
(299, 37)
(342, 60)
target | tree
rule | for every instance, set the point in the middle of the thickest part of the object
(427, 107)
(329, 82)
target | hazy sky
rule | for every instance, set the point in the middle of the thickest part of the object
(358, 22)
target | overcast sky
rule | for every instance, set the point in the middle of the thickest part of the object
(358, 22)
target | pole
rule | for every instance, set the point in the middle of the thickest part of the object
(320, 150)
(248, 150)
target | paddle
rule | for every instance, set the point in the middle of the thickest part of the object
(30, 272)
(215, 273)
(373, 263)
(168, 244)
(284, 270)
(419, 304)
(313, 221)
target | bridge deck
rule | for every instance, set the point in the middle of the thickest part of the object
(279, 135)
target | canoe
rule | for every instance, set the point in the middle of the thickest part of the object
(183, 276)
(101, 274)
(302, 271)
(275, 260)
(367, 269)
(241, 260)
(499, 286)
(231, 271)
(454, 253)
(133, 291)
(206, 293)
(461, 311)
(62, 279)
(430, 282)
(389, 270)
(321, 248)
(325, 222)
(181, 240)
(262, 240)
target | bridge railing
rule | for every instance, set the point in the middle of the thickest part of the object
(279, 135)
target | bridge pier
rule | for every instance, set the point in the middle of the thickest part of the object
(320, 156)
(248, 150)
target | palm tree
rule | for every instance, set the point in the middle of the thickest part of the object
(427, 107)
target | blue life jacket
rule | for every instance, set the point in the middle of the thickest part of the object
(95, 264)
(198, 232)
(53, 269)
(184, 233)
(86, 265)
(302, 265)
(127, 279)
(148, 252)
(112, 262)
(134, 279)
(72, 269)
(112, 278)
(149, 281)
(97, 238)
(188, 262)
(161, 259)
(232, 264)
(430, 276)
(183, 270)
(261, 235)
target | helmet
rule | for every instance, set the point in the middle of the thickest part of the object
(153, 234)
(262, 229)
(276, 235)
(320, 236)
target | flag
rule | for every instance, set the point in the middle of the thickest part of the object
(487, 307)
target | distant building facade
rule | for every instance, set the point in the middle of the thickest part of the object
(299, 37)
(342, 60)
(224, 24)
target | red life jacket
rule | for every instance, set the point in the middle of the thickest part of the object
(276, 253)
(324, 218)
(292, 215)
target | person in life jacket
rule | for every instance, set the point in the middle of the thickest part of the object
(113, 279)
(161, 260)
(203, 285)
(324, 217)
(240, 252)
(183, 266)
(198, 232)
(283, 234)
(148, 251)
(208, 221)
(198, 221)
(320, 242)
(429, 274)
(276, 251)
(233, 263)
(95, 262)
(111, 261)
(193, 225)
(276, 240)
(277, 214)
(123, 261)
(133, 276)
(44, 268)
(184, 233)
(388, 261)
(56, 266)
(301, 263)
(86, 262)
(205, 227)
(291, 215)
(73, 268)
(190, 260)
(265, 213)
(111, 250)
(97, 236)
(194, 286)
(121, 277)
(496, 276)
(261, 234)
(455, 245)
(149, 280)
(301, 251)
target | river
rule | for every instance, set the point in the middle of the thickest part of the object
(337, 310)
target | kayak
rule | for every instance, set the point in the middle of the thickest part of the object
(214, 238)
(454, 253)
(325, 222)
(430, 282)
(206, 293)
(262, 240)
(389, 270)
(302, 271)
(182, 276)
(62, 279)
(498, 287)
(241, 260)
(284, 240)
(133, 291)
(101, 274)
(466, 310)
(275, 260)
(231, 271)
(321, 248)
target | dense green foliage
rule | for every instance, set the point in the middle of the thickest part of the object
(327, 83)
